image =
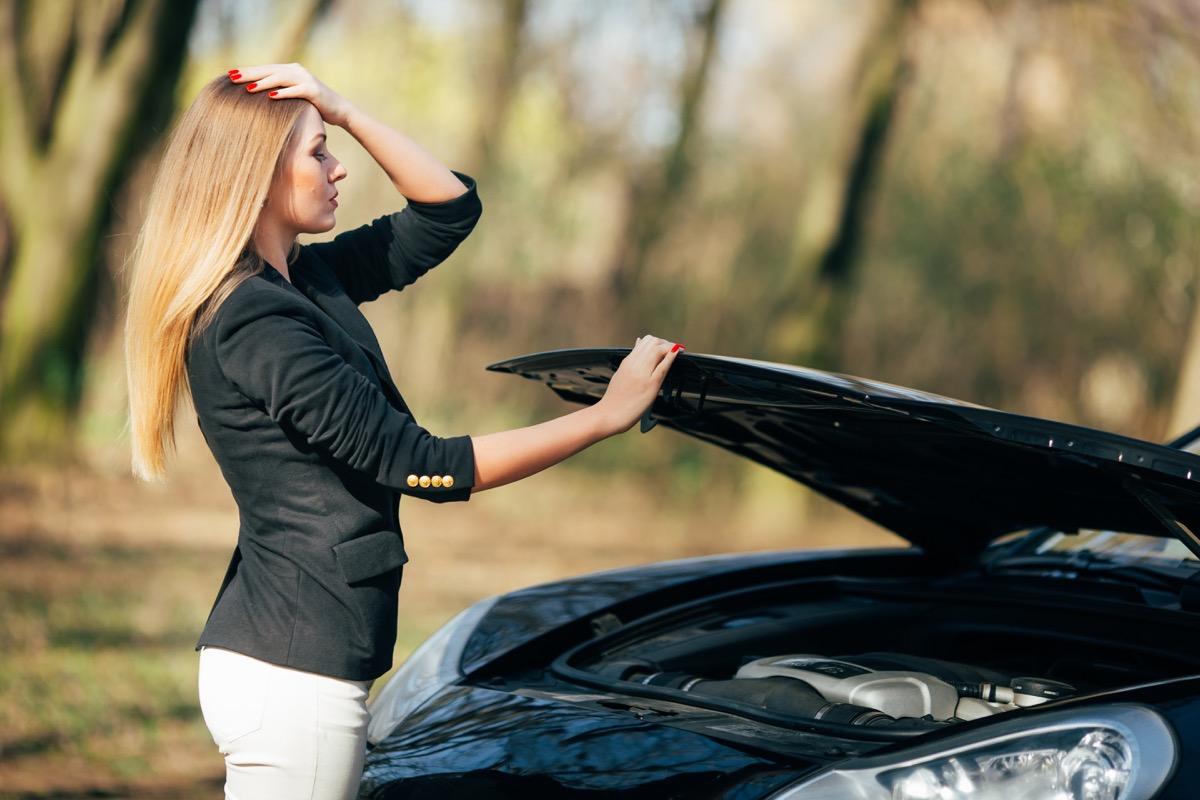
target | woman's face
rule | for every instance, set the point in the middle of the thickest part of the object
(300, 199)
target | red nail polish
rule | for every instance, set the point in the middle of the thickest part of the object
(232, 71)
(272, 94)
(676, 346)
(250, 86)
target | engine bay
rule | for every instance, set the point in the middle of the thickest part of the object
(871, 688)
(882, 655)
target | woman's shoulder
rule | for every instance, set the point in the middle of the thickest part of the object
(257, 299)
(265, 286)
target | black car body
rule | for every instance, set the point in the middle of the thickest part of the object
(1039, 639)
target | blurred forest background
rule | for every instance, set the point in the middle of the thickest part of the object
(990, 199)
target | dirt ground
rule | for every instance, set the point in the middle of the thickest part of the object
(105, 583)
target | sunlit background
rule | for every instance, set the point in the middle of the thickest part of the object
(995, 201)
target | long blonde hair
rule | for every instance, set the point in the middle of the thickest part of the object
(195, 246)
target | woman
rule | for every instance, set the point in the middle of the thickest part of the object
(298, 407)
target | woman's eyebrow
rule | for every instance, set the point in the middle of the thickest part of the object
(319, 136)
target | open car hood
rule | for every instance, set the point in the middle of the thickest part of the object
(947, 475)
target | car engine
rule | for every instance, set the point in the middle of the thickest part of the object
(875, 689)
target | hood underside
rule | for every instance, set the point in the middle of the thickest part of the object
(947, 475)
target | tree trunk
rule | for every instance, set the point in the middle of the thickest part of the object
(817, 290)
(86, 84)
(296, 26)
(501, 82)
(500, 72)
(654, 194)
(90, 90)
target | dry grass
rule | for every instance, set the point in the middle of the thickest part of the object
(105, 584)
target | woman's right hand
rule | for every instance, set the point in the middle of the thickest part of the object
(636, 382)
(293, 80)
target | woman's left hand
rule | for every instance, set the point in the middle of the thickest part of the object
(293, 80)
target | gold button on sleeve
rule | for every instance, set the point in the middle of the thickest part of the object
(436, 480)
(412, 480)
(424, 481)
(447, 481)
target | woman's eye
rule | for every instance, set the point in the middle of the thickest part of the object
(320, 156)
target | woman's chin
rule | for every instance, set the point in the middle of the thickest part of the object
(325, 223)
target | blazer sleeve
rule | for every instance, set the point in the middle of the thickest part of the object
(269, 347)
(393, 250)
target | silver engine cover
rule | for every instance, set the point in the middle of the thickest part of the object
(895, 693)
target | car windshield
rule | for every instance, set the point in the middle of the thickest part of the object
(1123, 546)
(1130, 548)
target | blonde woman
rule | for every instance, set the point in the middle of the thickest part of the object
(300, 411)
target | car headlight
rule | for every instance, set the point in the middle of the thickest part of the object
(431, 667)
(1117, 752)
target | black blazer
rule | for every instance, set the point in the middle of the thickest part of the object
(317, 445)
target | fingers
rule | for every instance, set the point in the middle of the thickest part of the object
(649, 340)
(269, 77)
(285, 92)
(657, 346)
(255, 72)
(270, 83)
(266, 80)
(652, 353)
(664, 366)
(651, 347)
(250, 74)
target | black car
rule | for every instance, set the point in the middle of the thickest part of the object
(1041, 639)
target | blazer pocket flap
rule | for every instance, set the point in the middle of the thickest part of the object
(373, 554)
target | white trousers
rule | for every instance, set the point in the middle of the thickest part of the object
(285, 733)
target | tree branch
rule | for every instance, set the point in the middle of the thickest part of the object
(16, 136)
(97, 105)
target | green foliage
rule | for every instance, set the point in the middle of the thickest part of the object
(988, 278)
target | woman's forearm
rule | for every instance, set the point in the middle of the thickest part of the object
(414, 171)
(508, 456)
